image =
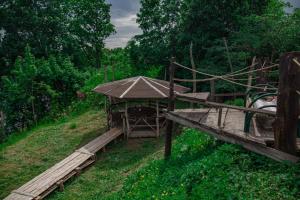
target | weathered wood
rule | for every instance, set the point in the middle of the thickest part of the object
(61, 186)
(127, 120)
(193, 97)
(249, 143)
(54, 177)
(194, 74)
(171, 106)
(286, 123)
(212, 90)
(254, 110)
(220, 118)
(249, 83)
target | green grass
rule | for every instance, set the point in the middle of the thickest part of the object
(25, 156)
(199, 168)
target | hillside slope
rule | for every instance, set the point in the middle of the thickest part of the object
(46, 145)
(200, 167)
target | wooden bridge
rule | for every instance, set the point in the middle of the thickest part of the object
(232, 123)
(54, 177)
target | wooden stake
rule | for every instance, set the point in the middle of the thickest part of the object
(212, 90)
(285, 125)
(193, 72)
(127, 120)
(220, 118)
(171, 106)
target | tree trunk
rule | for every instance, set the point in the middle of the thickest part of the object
(193, 67)
(113, 70)
(193, 72)
(285, 125)
(97, 57)
(105, 73)
(229, 62)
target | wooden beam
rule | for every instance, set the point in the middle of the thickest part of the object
(171, 106)
(220, 117)
(212, 90)
(127, 119)
(286, 123)
(254, 110)
(246, 142)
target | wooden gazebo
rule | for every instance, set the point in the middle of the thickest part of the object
(136, 104)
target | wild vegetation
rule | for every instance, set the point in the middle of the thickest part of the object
(53, 51)
(52, 55)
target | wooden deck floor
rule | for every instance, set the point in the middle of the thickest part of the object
(54, 177)
(231, 129)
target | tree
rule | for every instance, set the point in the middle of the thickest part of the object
(38, 23)
(90, 25)
(37, 88)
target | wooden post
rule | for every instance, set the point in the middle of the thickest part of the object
(250, 75)
(127, 120)
(194, 72)
(171, 106)
(124, 126)
(212, 90)
(157, 119)
(220, 118)
(249, 83)
(285, 125)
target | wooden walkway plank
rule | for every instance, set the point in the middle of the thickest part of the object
(54, 177)
(232, 134)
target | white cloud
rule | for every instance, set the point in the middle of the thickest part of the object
(123, 16)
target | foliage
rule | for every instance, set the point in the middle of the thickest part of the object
(250, 28)
(236, 102)
(90, 24)
(38, 149)
(37, 88)
(201, 168)
(74, 28)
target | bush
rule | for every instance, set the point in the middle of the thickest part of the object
(201, 168)
(37, 88)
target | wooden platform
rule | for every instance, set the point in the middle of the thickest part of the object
(54, 177)
(229, 129)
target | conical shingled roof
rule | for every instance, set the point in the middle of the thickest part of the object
(139, 87)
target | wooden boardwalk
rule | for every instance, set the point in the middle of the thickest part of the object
(229, 128)
(54, 177)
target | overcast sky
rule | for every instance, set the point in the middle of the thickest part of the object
(123, 16)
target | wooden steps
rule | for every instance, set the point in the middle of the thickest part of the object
(54, 177)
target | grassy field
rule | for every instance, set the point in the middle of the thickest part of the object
(200, 167)
(25, 157)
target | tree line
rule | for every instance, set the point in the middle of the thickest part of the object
(51, 49)
(223, 34)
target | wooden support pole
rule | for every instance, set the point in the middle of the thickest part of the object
(212, 90)
(220, 118)
(194, 71)
(171, 106)
(60, 184)
(127, 119)
(285, 125)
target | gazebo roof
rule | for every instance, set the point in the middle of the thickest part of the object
(139, 87)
